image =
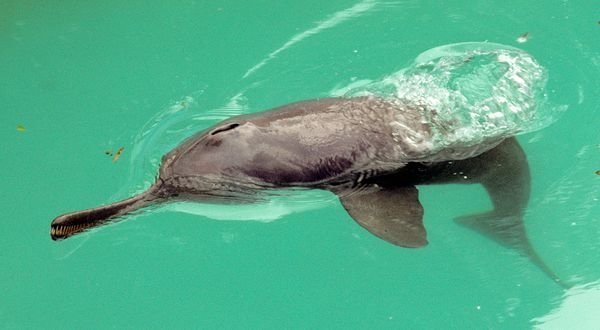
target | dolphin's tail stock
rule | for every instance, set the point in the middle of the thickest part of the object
(504, 173)
(509, 230)
(506, 178)
(69, 224)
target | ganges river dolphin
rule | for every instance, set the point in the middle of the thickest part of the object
(369, 151)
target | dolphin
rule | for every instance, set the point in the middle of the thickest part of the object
(369, 151)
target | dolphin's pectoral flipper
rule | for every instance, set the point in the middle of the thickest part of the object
(393, 214)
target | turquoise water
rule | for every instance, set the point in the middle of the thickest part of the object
(79, 80)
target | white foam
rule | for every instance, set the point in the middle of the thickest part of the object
(471, 94)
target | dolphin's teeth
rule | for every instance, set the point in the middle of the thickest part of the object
(68, 229)
(63, 230)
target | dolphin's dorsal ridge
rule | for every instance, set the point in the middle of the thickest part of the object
(393, 214)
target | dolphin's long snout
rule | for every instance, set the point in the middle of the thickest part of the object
(73, 223)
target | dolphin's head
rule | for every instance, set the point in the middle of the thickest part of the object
(202, 168)
(213, 164)
(244, 154)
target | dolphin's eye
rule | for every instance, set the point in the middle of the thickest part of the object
(224, 128)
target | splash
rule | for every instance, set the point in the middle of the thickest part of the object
(469, 94)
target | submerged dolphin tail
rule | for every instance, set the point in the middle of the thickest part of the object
(509, 231)
(69, 224)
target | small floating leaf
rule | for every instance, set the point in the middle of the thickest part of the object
(21, 128)
(118, 154)
(598, 172)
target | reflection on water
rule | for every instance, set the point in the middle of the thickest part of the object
(578, 309)
(333, 20)
(273, 207)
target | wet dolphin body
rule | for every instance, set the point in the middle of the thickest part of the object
(344, 145)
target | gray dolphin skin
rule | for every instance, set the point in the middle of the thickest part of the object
(349, 147)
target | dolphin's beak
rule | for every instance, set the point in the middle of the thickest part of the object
(70, 224)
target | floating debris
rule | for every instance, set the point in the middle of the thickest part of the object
(21, 128)
(118, 154)
(598, 172)
(523, 38)
(108, 153)
(183, 104)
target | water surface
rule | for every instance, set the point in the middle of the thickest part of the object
(82, 79)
